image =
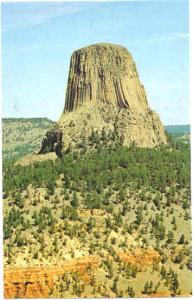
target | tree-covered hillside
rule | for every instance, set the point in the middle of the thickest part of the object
(178, 130)
(23, 135)
(127, 208)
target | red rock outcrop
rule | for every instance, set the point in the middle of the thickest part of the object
(37, 282)
(140, 257)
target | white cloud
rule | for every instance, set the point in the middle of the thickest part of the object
(19, 15)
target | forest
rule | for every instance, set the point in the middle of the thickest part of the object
(129, 208)
(116, 165)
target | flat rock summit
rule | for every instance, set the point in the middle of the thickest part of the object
(104, 96)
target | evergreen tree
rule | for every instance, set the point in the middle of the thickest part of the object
(130, 292)
(74, 201)
(182, 240)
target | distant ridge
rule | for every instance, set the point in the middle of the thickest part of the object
(178, 130)
(22, 136)
(27, 119)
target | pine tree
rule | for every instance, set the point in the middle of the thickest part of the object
(139, 217)
(170, 237)
(114, 286)
(182, 240)
(146, 288)
(131, 292)
(74, 201)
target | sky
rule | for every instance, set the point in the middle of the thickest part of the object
(38, 39)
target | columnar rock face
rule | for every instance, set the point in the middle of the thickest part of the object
(105, 73)
(104, 94)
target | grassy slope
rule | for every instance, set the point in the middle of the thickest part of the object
(127, 182)
(23, 135)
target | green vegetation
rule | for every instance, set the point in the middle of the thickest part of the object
(156, 169)
(107, 204)
(22, 136)
(178, 130)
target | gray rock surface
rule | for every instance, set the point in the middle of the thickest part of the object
(104, 93)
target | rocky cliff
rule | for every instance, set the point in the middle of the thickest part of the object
(104, 95)
(105, 73)
(38, 282)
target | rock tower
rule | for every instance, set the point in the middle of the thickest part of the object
(104, 94)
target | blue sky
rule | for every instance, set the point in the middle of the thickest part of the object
(39, 38)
